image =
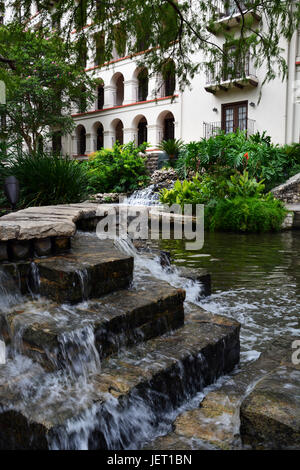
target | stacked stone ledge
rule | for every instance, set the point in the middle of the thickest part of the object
(289, 192)
(42, 231)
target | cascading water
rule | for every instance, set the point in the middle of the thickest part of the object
(71, 387)
(34, 279)
(144, 197)
(152, 267)
(9, 292)
(83, 281)
(79, 353)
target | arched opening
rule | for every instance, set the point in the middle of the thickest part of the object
(81, 140)
(56, 143)
(117, 126)
(142, 131)
(169, 78)
(100, 97)
(118, 82)
(166, 126)
(169, 127)
(99, 136)
(143, 83)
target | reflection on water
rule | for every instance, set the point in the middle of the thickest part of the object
(255, 279)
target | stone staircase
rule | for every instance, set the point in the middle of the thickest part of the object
(99, 362)
(257, 407)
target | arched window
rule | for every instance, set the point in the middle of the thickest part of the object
(119, 132)
(56, 143)
(81, 140)
(143, 80)
(99, 137)
(119, 90)
(142, 131)
(169, 127)
(169, 78)
(100, 97)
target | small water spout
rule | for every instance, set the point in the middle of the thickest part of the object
(34, 281)
(9, 292)
(83, 277)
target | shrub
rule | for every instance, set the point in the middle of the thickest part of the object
(46, 179)
(197, 191)
(121, 169)
(200, 190)
(261, 158)
(250, 214)
(242, 185)
(237, 204)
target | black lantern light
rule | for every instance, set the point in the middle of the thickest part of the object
(12, 190)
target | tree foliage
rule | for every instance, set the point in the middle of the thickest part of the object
(43, 81)
(180, 30)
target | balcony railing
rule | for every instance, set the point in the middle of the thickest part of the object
(211, 129)
(229, 9)
(229, 14)
(223, 72)
(234, 73)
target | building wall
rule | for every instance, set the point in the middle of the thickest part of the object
(275, 107)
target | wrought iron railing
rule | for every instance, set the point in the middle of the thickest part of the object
(211, 129)
(228, 8)
(230, 69)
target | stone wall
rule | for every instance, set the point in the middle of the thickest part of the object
(289, 191)
(152, 162)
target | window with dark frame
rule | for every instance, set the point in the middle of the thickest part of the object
(235, 116)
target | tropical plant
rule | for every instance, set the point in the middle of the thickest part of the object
(46, 179)
(242, 185)
(172, 147)
(246, 214)
(262, 159)
(200, 190)
(120, 169)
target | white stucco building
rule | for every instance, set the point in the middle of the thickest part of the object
(130, 105)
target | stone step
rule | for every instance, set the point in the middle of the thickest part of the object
(92, 268)
(270, 414)
(113, 407)
(215, 423)
(57, 337)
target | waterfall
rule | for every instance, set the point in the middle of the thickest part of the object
(83, 277)
(79, 355)
(152, 267)
(9, 292)
(144, 197)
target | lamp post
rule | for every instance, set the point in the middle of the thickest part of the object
(12, 190)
